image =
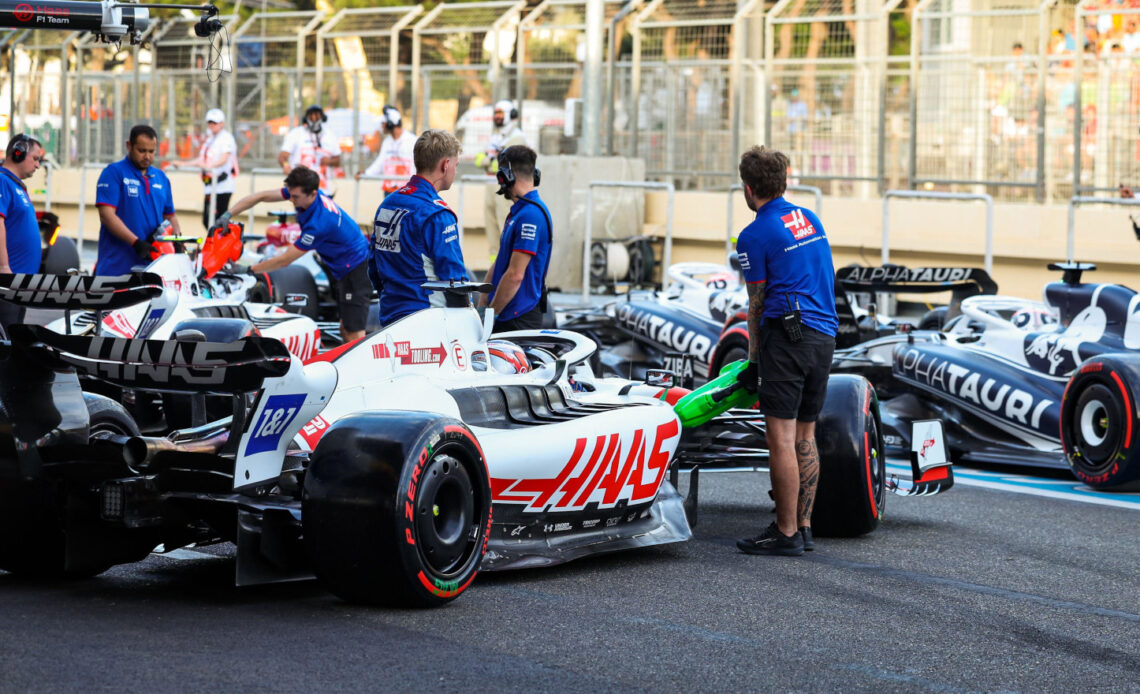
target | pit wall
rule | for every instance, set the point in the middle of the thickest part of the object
(1026, 237)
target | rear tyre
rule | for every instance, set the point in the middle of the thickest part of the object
(641, 261)
(32, 513)
(933, 319)
(851, 495)
(294, 279)
(60, 257)
(1099, 428)
(397, 508)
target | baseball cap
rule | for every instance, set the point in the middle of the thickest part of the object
(215, 115)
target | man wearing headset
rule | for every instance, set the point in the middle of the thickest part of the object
(313, 144)
(507, 133)
(396, 156)
(19, 230)
(519, 272)
(134, 198)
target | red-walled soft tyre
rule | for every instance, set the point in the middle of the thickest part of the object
(852, 493)
(397, 508)
(1100, 430)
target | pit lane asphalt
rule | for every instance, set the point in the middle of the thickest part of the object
(974, 590)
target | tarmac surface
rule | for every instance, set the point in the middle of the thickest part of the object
(1001, 584)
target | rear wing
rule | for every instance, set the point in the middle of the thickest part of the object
(164, 365)
(71, 292)
(919, 280)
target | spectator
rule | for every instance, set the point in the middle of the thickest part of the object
(396, 156)
(217, 159)
(312, 144)
(133, 198)
(507, 133)
(19, 230)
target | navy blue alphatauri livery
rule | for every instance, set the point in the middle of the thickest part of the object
(1050, 384)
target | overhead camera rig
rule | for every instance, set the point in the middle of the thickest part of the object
(108, 20)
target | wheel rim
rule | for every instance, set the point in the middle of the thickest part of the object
(446, 519)
(1093, 421)
(1096, 428)
(877, 461)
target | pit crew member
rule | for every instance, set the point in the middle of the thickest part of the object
(396, 156)
(506, 133)
(19, 230)
(792, 323)
(134, 198)
(519, 272)
(328, 230)
(313, 144)
(415, 235)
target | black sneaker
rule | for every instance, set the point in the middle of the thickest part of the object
(772, 541)
(809, 541)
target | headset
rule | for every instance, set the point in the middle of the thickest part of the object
(317, 107)
(390, 122)
(18, 149)
(506, 177)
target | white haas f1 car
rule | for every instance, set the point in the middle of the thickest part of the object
(394, 468)
(188, 296)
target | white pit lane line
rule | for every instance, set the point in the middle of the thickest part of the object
(185, 554)
(1071, 490)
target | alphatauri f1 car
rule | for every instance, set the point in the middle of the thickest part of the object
(699, 322)
(1050, 384)
(393, 468)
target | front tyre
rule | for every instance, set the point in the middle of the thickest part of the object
(1099, 423)
(851, 495)
(397, 508)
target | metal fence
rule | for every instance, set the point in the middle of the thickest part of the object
(1024, 100)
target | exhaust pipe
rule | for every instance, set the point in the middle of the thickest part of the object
(139, 451)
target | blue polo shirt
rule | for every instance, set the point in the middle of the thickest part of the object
(21, 228)
(415, 238)
(525, 230)
(786, 247)
(141, 199)
(329, 231)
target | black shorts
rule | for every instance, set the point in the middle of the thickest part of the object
(793, 376)
(221, 204)
(353, 294)
(531, 320)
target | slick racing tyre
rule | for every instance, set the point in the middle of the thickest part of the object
(1100, 432)
(33, 541)
(294, 279)
(396, 508)
(933, 319)
(852, 465)
(641, 261)
(60, 257)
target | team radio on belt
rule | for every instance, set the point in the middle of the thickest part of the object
(190, 400)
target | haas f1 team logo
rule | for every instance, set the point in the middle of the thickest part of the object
(603, 469)
(798, 224)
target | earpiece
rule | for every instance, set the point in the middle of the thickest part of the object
(19, 149)
(537, 176)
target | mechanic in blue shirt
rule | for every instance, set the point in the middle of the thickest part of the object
(133, 198)
(328, 230)
(415, 236)
(519, 273)
(19, 230)
(792, 323)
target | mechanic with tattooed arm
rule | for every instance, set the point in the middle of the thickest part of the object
(786, 260)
